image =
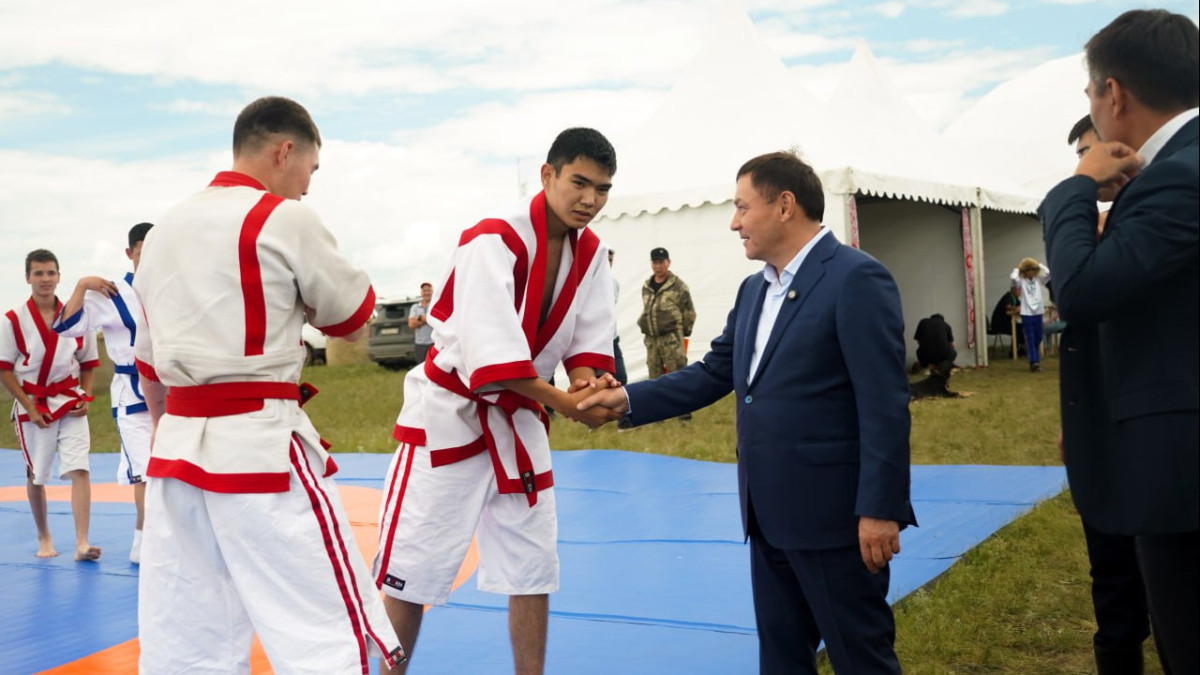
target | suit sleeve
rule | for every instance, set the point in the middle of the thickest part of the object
(591, 342)
(1152, 235)
(870, 329)
(695, 386)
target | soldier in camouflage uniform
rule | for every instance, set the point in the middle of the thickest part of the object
(667, 316)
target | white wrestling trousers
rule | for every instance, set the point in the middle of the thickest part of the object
(216, 568)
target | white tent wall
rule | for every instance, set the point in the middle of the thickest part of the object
(921, 245)
(705, 253)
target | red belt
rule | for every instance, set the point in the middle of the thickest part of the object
(52, 389)
(40, 394)
(509, 402)
(232, 398)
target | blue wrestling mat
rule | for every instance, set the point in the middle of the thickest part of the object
(655, 577)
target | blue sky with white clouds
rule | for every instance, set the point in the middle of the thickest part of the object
(110, 112)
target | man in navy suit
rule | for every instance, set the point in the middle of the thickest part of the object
(1130, 414)
(814, 349)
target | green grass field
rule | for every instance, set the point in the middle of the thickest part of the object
(1018, 603)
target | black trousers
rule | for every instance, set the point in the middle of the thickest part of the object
(620, 374)
(1118, 592)
(802, 597)
(1169, 567)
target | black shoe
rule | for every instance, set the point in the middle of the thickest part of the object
(1119, 659)
(1035, 367)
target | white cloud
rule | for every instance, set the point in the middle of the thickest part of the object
(939, 89)
(227, 109)
(974, 8)
(364, 46)
(923, 46)
(16, 104)
(891, 10)
(396, 208)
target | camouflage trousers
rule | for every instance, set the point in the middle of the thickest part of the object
(664, 354)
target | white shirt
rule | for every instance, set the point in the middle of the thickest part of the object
(777, 286)
(1155, 143)
(1031, 289)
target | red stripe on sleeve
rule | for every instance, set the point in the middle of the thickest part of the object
(590, 360)
(146, 370)
(356, 320)
(516, 370)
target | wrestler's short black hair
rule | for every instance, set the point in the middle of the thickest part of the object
(579, 142)
(138, 233)
(1153, 53)
(273, 115)
(1083, 126)
(774, 173)
(39, 255)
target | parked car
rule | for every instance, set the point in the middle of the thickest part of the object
(391, 341)
(314, 344)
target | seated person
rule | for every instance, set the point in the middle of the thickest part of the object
(1006, 311)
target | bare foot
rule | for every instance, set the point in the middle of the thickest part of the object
(87, 553)
(46, 549)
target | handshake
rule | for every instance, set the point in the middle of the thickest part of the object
(594, 402)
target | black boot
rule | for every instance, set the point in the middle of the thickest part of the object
(1118, 659)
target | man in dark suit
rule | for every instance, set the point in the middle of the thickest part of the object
(814, 349)
(1130, 414)
(1118, 592)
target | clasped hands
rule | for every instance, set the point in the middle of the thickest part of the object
(1111, 164)
(594, 401)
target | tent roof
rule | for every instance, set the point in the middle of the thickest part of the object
(736, 100)
(739, 100)
(1022, 124)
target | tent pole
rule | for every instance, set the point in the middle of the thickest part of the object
(976, 223)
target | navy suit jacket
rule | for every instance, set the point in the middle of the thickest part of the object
(1129, 390)
(823, 429)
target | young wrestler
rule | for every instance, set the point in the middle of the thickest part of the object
(109, 306)
(51, 380)
(526, 290)
(244, 527)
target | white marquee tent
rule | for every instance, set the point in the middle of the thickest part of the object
(892, 185)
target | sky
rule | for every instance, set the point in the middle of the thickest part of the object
(112, 112)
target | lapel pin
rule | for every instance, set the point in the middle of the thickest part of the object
(792, 294)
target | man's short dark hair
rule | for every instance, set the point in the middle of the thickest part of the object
(939, 317)
(1154, 54)
(39, 255)
(273, 115)
(1081, 128)
(774, 173)
(579, 142)
(138, 233)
